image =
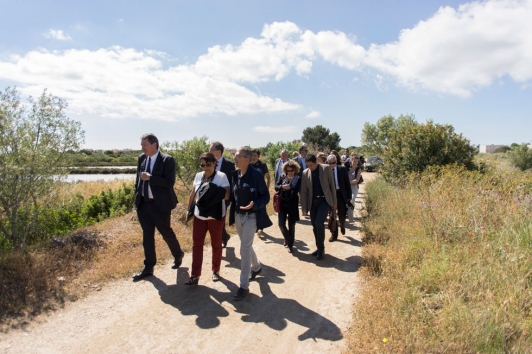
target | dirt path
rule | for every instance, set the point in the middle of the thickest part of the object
(297, 304)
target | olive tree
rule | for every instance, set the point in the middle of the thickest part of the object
(34, 140)
(375, 137)
(186, 155)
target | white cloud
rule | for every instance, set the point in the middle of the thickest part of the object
(121, 83)
(57, 34)
(458, 51)
(453, 52)
(268, 129)
(313, 115)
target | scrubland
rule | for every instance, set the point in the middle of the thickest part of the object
(447, 264)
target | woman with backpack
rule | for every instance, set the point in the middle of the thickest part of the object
(355, 178)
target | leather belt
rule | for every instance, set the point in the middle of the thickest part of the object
(244, 212)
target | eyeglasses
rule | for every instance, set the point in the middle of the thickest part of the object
(289, 171)
(205, 164)
(332, 163)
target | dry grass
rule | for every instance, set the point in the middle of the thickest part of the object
(68, 190)
(447, 265)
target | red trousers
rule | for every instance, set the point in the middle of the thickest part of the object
(199, 232)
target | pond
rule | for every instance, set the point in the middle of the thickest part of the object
(99, 177)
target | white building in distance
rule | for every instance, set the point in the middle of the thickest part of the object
(489, 149)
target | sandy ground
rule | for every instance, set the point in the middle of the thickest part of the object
(297, 304)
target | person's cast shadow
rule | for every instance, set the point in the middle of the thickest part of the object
(206, 303)
(350, 264)
(276, 312)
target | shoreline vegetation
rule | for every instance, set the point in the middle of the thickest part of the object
(101, 171)
(447, 263)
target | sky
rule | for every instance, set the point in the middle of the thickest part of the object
(251, 72)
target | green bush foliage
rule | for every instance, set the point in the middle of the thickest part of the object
(272, 151)
(186, 155)
(413, 148)
(520, 156)
(56, 220)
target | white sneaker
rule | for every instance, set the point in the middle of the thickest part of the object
(259, 232)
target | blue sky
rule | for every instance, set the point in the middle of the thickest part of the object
(251, 72)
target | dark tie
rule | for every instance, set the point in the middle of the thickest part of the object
(336, 177)
(146, 183)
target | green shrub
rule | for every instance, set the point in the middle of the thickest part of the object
(415, 148)
(521, 156)
(62, 218)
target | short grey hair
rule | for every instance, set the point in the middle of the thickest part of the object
(284, 151)
(245, 151)
(331, 157)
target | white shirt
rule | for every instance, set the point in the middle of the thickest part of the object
(335, 170)
(303, 163)
(280, 168)
(220, 179)
(152, 163)
(219, 164)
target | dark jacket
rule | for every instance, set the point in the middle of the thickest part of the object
(289, 198)
(260, 197)
(343, 182)
(228, 167)
(210, 198)
(162, 182)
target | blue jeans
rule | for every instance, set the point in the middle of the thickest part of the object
(246, 225)
(318, 214)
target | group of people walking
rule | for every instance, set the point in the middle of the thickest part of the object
(244, 186)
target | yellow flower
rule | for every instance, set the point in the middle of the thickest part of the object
(384, 340)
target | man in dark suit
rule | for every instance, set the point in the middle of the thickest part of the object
(227, 167)
(317, 196)
(155, 198)
(343, 193)
(303, 151)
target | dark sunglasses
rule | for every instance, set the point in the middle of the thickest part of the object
(289, 171)
(205, 164)
(332, 163)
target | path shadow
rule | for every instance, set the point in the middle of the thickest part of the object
(276, 312)
(198, 300)
(350, 264)
(301, 245)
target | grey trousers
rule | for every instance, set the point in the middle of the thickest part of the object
(246, 225)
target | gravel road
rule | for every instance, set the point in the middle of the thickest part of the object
(297, 304)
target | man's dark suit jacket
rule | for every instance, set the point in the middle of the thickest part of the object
(300, 163)
(228, 167)
(162, 181)
(343, 182)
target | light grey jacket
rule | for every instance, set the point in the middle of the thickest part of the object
(327, 184)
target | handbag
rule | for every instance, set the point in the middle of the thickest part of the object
(190, 213)
(277, 202)
(332, 225)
